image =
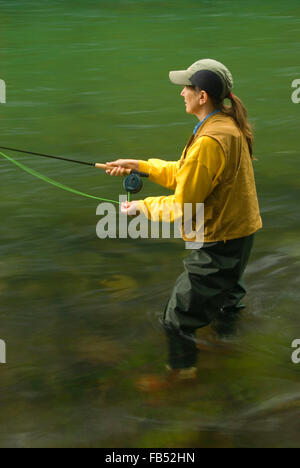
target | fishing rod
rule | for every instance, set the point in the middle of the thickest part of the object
(132, 183)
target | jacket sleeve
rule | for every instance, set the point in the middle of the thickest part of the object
(194, 181)
(161, 172)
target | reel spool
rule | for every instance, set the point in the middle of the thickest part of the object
(133, 183)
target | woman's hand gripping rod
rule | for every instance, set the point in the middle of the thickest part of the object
(114, 169)
(132, 183)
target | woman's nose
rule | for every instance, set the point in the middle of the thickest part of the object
(182, 93)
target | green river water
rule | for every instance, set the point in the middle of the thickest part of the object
(79, 315)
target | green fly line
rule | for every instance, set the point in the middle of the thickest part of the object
(53, 182)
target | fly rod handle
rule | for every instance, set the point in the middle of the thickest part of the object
(100, 166)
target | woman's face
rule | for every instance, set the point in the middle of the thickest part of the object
(192, 99)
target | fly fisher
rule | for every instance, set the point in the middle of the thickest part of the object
(216, 169)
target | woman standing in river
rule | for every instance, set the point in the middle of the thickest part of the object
(215, 168)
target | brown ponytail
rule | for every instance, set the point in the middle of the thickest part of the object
(238, 112)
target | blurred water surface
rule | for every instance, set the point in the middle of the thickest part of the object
(89, 80)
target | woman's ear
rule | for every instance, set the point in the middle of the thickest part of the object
(203, 97)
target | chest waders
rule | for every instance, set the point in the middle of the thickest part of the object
(209, 291)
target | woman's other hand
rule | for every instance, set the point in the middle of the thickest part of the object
(130, 208)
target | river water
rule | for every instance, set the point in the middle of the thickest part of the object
(89, 80)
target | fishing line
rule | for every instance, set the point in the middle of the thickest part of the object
(53, 182)
(132, 183)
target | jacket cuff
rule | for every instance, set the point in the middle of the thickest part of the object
(144, 166)
(143, 209)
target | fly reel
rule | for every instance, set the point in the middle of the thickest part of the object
(133, 182)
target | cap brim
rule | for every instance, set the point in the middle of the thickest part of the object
(180, 77)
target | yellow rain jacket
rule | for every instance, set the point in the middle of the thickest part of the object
(215, 169)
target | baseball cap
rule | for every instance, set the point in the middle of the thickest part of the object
(208, 74)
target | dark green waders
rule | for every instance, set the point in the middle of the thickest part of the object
(209, 291)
